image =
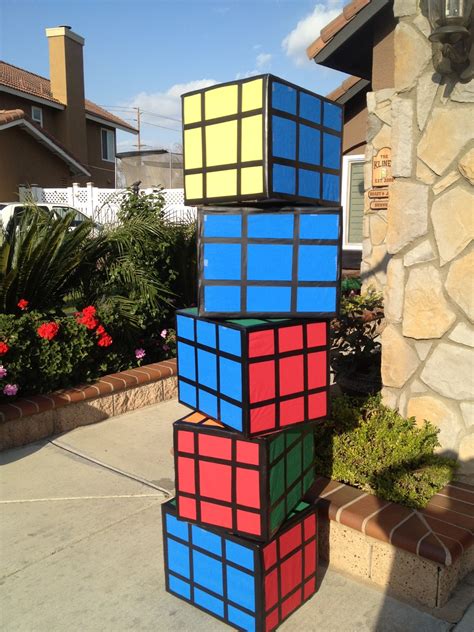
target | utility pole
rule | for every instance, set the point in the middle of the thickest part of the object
(139, 144)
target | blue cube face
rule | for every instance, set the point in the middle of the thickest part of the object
(289, 262)
(212, 571)
(306, 130)
(210, 369)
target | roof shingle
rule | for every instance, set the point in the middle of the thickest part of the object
(35, 85)
(333, 28)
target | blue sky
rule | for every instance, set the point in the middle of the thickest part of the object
(147, 52)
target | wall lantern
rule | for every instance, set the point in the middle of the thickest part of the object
(451, 21)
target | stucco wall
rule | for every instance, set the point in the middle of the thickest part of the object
(420, 252)
(25, 161)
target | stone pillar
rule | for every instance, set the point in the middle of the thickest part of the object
(420, 252)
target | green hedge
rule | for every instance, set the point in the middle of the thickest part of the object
(373, 448)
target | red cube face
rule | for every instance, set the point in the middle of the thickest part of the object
(248, 486)
(290, 562)
(288, 376)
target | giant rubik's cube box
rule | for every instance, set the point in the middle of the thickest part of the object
(251, 586)
(254, 375)
(277, 262)
(248, 486)
(261, 138)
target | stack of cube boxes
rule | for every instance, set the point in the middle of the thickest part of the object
(253, 357)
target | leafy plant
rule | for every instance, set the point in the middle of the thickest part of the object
(373, 448)
(45, 261)
(355, 348)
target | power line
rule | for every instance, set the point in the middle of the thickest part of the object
(120, 107)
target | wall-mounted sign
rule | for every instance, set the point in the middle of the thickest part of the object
(379, 205)
(378, 193)
(382, 168)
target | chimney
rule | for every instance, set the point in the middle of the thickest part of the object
(66, 70)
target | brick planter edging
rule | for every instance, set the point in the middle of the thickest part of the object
(32, 418)
(419, 555)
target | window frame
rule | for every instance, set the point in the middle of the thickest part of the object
(107, 131)
(35, 108)
(346, 174)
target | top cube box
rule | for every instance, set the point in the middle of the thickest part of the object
(263, 139)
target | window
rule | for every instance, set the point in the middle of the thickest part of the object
(108, 145)
(353, 200)
(37, 115)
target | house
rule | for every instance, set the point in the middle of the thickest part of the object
(418, 175)
(50, 134)
(365, 26)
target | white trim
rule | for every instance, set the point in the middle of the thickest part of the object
(34, 131)
(63, 31)
(104, 121)
(31, 97)
(40, 110)
(346, 166)
(108, 131)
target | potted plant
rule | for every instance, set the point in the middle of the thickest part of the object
(355, 345)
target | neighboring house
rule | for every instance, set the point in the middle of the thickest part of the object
(152, 167)
(50, 134)
(364, 26)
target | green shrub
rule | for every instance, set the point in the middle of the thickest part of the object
(373, 448)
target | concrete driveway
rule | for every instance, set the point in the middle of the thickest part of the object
(81, 546)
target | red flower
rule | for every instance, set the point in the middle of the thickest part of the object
(22, 304)
(105, 340)
(48, 330)
(4, 348)
(87, 317)
(89, 311)
(100, 331)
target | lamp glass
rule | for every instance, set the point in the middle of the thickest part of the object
(449, 12)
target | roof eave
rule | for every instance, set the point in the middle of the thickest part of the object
(31, 97)
(75, 166)
(321, 52)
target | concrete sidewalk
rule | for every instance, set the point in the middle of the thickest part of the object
(81, 545)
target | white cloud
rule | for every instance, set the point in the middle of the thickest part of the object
(262, 62)
(308, 29)
(263, 59)
(167, 103)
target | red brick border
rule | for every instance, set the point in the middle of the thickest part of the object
(106, 385)
(441, 532)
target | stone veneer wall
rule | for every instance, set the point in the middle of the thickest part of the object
(419, 252)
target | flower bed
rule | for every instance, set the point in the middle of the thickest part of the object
(41, 353)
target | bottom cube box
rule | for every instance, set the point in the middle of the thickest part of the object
(249, 585)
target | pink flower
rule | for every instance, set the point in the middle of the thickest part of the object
(3, 371)
(140, 353)
(10, 389)
(164, 333)
(166, 348)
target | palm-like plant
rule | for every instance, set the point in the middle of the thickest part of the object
(45, 260)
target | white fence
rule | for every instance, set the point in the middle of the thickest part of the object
(102, 204)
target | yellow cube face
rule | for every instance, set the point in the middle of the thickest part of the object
(221, 101)
(224, 141)
(217, 151)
